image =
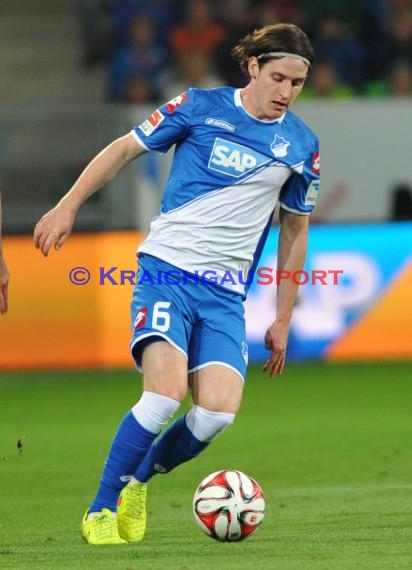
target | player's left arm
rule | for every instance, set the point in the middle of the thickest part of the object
(4, 276)
(292, 246)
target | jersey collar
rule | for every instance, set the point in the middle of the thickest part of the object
(238, 103)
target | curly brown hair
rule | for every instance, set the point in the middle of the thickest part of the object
(278, 37)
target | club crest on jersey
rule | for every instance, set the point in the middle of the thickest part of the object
(234, 159)
(279, 147)
(152, 122)
(173, 104)
(140, 319)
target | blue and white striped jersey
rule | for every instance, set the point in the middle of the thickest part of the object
(229, 171)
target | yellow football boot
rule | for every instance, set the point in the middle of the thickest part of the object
(101, 528)
(131, 512)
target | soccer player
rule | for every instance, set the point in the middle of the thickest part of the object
(4, 276)
(238, 152)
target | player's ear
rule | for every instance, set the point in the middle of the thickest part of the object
(253, 67)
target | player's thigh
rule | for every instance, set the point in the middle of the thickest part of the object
(164, 370)
(217, 388)
(218, 352)
(160, 312)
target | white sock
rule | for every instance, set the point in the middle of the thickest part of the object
(206, 425)
(153, 411)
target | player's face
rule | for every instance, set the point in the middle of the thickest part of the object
(275, 86)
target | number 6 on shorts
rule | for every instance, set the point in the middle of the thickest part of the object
(161, 318)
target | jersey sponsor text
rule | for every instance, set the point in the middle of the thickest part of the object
(234, 159)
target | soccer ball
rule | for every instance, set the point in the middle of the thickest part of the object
(229, 505)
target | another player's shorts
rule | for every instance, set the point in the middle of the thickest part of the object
(202, 320)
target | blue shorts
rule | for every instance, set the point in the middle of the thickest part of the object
(204, 321)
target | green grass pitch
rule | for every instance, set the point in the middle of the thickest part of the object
(331, 446)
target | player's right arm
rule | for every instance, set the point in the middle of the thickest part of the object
(55, 226)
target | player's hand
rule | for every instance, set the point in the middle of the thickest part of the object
(4, 286)
(53, 229)
(276, 340)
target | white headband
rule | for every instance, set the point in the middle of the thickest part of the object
(279, 54)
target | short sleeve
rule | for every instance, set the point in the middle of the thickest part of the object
(166, 125)
(300, 191)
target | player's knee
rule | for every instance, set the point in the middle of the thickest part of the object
(173, 391)
(153, 411)
(206, 425)
(172, 384)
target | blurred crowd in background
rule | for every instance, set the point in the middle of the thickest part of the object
(155, 49)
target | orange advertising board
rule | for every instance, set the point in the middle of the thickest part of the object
(54, 323)
(72, 310)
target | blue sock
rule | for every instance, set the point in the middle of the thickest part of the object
(176, 445)
(129, 446)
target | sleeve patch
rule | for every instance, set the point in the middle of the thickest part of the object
(316, 162)
(173, 104)
(151, 123)
(312, 193)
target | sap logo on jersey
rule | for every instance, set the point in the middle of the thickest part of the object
(234, 159)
